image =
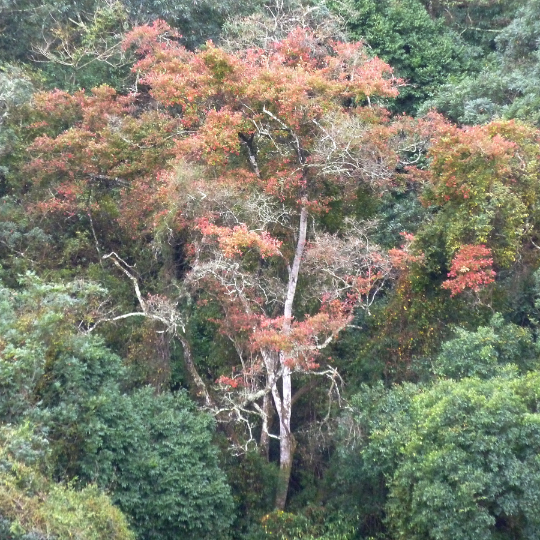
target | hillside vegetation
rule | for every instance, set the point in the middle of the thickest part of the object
(269, 270)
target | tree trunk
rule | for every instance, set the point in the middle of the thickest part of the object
(202, 391)
(286, 441)
(264, 443)
(161, 376)
(284, 404)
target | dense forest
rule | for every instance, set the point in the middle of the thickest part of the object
(270, 269)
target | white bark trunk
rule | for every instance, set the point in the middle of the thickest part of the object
(264, 443)
(294, 271)
(284, 407)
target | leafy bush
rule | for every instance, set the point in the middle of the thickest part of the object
(313, 524)
(460, 459)
(32, 507)
(482, 353)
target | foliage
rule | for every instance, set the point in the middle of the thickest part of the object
(253, 485)
(198, 22)
(357, 483)
(16, 89)
(470, 269)
(86, 52)
(482, 353)
(483, 183)
(311, 525)
(37, 331)
(229, 114)
(458, 457)
(22, 245)
(32, 507)
(277, 20)
(468, 464)
(506, 86)
(249, 222)
(76, 44)
(422, 51)
(153, 454)
(478, 21)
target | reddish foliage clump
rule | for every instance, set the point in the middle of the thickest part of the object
(471, 269)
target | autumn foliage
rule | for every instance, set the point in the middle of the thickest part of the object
(471, 270)
(248, 167)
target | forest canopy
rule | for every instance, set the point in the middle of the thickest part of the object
(269, 270)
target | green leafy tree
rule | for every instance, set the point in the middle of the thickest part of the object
(37, 328)
(33, 507)
(457, 459)
(77, 44)
(507, 85)
(152, 453)
(198, 22)
(421, 50)
(356, 483)
(483, 352)
(477, 21)
(468, 464)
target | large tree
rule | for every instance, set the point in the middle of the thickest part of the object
(240, 155)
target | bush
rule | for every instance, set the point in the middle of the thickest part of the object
(460, 459)
(32, 507)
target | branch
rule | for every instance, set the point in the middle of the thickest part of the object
(116, 260)
(111, 179)
(202, 391)
(248, 143)
(304, 390)
(285, 127)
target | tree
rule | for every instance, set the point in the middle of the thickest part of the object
(452, 457)
(76, 44)
(33, 507)
(278, 19)
(478, 21)
(484, 352)
(83, 50)
(467, 461)
(270, 124)
(37, 325)
(423, 51)
(262, 142)
(506, 86)
(152, 454)
(483, 187)
(470, 269)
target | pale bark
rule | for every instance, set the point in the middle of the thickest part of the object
(286, 440)
(264, 443)
(284, 405)
(295, 269)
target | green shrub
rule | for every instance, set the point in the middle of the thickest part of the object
(32, 507)
(459, 459)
